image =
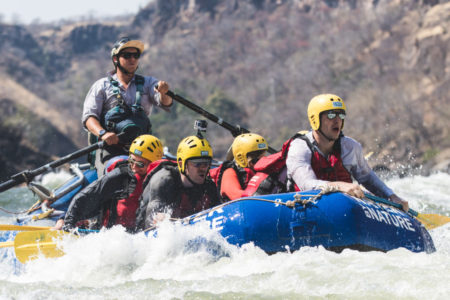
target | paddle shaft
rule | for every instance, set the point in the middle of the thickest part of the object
(9, 227)
(385, 201)
(28, 175)
(234, 130)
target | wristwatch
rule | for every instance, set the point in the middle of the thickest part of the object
(101, 133)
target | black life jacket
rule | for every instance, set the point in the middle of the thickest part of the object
(123, 118)
(151, 170)
(187, 204)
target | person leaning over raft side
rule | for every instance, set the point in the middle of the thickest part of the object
(234, 175)
(115, 195)
(121, 102)
(324, 156)
(183, 188)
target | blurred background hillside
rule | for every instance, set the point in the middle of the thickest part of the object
(256, 63)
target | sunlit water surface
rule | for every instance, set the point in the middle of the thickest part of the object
(115, 265)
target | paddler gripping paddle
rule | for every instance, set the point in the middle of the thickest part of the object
(430, 221)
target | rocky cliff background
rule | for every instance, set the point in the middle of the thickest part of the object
(256, 63)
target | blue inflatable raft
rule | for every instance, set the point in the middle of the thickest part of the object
(287, 222)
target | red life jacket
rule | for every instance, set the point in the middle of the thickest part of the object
(271, 170)
(186, 208)
(330, 168)
(126, 208)
(243, 174)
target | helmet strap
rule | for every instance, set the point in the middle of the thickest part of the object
(324, 135)
(122, 69)
(190, 180)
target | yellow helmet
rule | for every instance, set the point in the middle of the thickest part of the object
(192, 147)
(147, 146)
(126, 42)
(321, 103)
(244, 144)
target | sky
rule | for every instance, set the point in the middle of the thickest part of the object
(27, 11)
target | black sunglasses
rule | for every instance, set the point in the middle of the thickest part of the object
(198, 163)
(128, 55)
(332, 114)
(138, 164)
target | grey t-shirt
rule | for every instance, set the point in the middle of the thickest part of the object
(101, 98)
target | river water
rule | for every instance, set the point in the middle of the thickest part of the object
(115, 265)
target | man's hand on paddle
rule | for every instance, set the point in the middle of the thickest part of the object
(110, 138)
(163, 87)
(397, 199)
(93, 125)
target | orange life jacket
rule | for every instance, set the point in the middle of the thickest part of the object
(243, 174)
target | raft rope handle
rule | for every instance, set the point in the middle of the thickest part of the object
(312, 198)
(327, 189)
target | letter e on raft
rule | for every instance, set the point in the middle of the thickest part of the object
(216, 223)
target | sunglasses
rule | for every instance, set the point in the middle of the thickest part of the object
(332, 114)
(128, 55)
(138, 164)
(197, 163)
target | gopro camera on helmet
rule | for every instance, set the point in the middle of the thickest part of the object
(200, 126)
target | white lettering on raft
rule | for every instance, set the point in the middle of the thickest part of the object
(215, 223)
(390, 217)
